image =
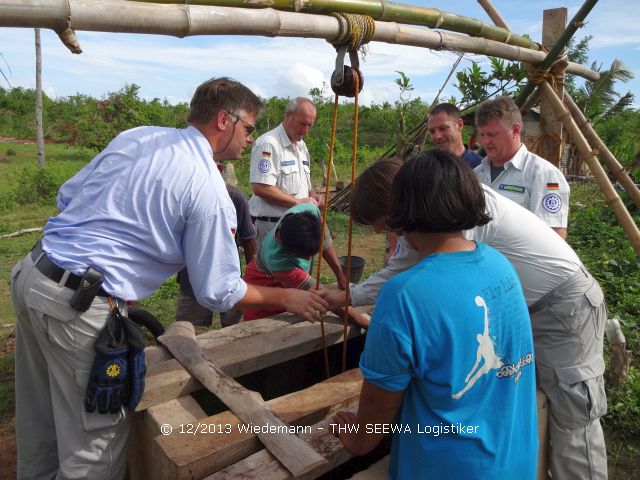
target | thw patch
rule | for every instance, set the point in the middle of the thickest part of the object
(552, 202)
(264, 165)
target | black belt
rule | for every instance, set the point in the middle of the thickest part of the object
(268, 219)
(54, 272)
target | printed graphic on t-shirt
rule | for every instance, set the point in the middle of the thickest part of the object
(486, 354)
(552, 202)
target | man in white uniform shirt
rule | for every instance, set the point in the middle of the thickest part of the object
(511, 170)
(280, 174)
(565, 302)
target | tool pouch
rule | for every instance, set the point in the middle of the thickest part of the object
(89, 287)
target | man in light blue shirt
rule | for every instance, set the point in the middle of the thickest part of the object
(148, 205)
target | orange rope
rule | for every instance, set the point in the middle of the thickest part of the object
(354, 156)
(334, 119)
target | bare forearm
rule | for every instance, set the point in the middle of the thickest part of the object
(561, 231)
(250, 247)
(274, 195)
(376, 406)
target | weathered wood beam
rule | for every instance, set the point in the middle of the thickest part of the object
(182, 455)
(263, 466)
(168, 379)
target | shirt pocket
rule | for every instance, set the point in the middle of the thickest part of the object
(289, 178)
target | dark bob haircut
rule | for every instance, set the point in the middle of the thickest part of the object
(300, 234)
(436, 192)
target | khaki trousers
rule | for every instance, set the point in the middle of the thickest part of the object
(56, 437)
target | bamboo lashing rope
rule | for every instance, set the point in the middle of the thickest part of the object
(355, 31)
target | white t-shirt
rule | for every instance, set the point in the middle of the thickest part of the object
(541, 257)
(276, 161)
(534, 183)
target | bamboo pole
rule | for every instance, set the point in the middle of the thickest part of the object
(575, 23)
(494, 15)
(611, 196)
(383, 11)
(612, 162)
(187, 20)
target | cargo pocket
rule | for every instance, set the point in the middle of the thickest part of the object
(55, 316)
(578, 398)
(568, 314)
(595, 297)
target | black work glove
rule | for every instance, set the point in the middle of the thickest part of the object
(137, 366)
(109, 386)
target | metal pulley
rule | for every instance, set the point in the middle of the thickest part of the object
(343, 80)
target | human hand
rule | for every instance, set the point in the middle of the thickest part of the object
(307, 303)
(335, 298)
(346, 436)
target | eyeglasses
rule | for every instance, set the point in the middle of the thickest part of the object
(248, 128)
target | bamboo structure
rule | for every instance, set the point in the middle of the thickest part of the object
(575, 23)
(383, 11)
(612, 162)
(494, 15)
(611, 196)
(187, 20)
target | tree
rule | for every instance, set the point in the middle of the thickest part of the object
(598, 100)
(39, 128)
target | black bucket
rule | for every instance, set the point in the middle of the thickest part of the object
(357, 267)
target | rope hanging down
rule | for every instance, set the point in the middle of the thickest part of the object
(359, 30)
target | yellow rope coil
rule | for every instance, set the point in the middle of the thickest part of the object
(355, 30)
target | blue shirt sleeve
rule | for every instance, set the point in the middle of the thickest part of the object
(388, 354)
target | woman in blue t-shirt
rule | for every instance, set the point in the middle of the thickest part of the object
(448, 363)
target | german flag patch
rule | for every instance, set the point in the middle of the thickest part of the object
(266, 154)
(553, 186)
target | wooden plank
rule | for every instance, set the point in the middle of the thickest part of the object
(168, 379)
(216, 338)
(553, 25)
(263, 466)
(146, 426)
(293, 452)
(182, 456)
(174, 412)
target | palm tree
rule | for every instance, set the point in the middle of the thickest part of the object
(598, 100)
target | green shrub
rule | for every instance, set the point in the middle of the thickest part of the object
(40, 185)
(10, 152)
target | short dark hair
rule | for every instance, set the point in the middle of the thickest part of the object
(222, 93)
(371, 197)
(501, 108)
(435, 192)
(300, 234)
(449, 108)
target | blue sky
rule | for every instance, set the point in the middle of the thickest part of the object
(171, 68)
